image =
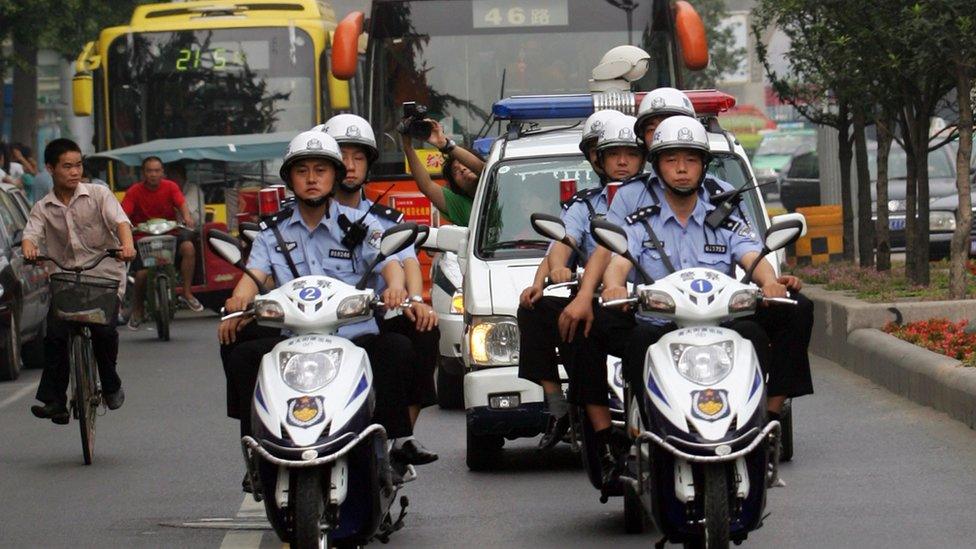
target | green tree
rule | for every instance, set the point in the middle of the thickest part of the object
(723, 56)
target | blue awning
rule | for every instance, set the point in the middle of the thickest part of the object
(226, 148)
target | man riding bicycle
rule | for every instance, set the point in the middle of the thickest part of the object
(157, 198)
(75, 223)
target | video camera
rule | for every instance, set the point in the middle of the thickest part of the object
(413, 123)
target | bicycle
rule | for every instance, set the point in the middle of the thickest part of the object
(83, 301)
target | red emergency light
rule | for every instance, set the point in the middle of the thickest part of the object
(268, 202)
(705, 101)
(567, 188)
(612, 189)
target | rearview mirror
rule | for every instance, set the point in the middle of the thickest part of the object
(783, 233)
(609, 236)
(249, 231)
(398, 238)
(423, 233)
(798, 216)
(614, 238)
(226, 247)
(548, 226)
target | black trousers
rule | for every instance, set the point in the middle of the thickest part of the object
(587, 357)
(54, 379)
(789, 328)
(389, 355)
(539, 338)
(420, 385)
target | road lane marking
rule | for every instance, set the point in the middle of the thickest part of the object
(21, 393)
(250, 511)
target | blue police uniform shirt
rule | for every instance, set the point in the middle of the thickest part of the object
(636, 194)
(577, 218)
(687, 246)
(319, 251)
(376, 281)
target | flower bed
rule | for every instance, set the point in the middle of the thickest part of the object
(939, 335)
(869, 285)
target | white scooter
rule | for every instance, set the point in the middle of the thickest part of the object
(315, 457)
(703, 450)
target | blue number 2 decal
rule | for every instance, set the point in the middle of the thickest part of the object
(309, 294)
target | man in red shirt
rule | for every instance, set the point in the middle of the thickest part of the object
(152, 198)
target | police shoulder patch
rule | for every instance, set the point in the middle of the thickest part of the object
(386, 212)
(374, 239)
(643, 213)
(581, 196)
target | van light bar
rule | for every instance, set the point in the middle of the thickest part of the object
(576, 106)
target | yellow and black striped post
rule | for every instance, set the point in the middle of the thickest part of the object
(824, 241)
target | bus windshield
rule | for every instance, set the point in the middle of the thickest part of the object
(459, 57)
(209, 82)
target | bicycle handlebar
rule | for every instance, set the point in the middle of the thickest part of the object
(94, 263)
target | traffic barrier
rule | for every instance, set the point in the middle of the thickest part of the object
(824, 241)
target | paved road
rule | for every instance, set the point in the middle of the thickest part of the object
(871, 470)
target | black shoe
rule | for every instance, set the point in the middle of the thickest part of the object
(114, 400)
(609, 469)
(412, 452)
(555, 432)
(55, 411)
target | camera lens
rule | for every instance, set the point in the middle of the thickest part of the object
(420, 129)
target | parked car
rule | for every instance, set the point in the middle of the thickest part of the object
(775, 152)
(800, 186)
(24, 295)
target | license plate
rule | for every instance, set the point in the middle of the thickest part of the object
(896, 224)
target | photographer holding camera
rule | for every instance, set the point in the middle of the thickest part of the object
(461, 169)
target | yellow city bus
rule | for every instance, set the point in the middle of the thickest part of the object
(209, 68)
(217, 72)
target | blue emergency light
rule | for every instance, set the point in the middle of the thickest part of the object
(541, 107)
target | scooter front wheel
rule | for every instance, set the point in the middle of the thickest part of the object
(308, 506)
(162, 308)
(714, 490)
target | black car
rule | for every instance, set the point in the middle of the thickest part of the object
(24, 294)
(800, 183)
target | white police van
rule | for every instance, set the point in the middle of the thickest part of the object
(499, 252)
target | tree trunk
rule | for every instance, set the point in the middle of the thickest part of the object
(921, 144)
(964, 214)
(884, 125)
(865, 227)
(3, 98)
(23, 123)
(844, 155)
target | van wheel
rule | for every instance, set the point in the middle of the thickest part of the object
(483, 451)
(450, 385)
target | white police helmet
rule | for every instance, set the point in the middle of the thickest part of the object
(593, 127)
(662, 102)
(618, 132)
(625, 62)
(680, 132)
(313, 144)
(349, 129)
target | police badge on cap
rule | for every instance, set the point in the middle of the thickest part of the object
(313, 145)
(657, 102)
(353, 131)
(626, 133)
(597, 126)
(684, 134)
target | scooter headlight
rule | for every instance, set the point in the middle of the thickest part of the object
(703, 364)
(307, 372)
(268, 311)
(353, 306)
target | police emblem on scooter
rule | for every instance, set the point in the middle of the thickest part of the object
(710, 404)
(305, 411)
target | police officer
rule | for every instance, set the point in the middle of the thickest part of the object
(668, 235)
(307, 240)
(418, 321)
(789, 328)
(614, 154)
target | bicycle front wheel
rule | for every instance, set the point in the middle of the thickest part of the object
(86, 397)
(163, 313)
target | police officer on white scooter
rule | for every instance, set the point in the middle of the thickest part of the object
(537, 315)
(418, 321)
(668, 235)
(307, 240)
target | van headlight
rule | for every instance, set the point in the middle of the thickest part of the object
(457, 303)
(494, 341)
(307, 372)
(703, 364)
(268, 311)
(353, 306)
(942, 221)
